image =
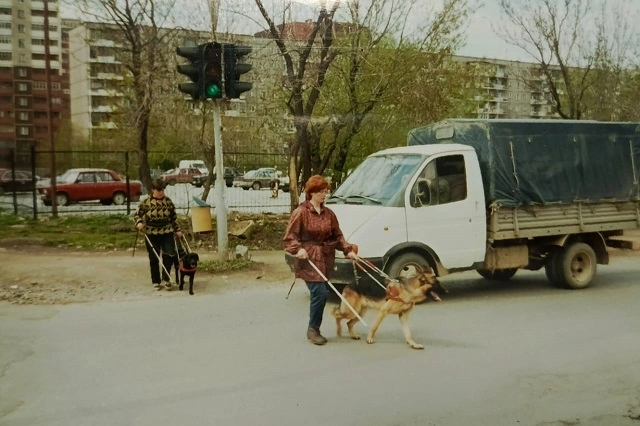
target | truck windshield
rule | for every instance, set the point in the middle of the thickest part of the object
(381, 179)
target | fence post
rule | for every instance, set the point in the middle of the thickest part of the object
(128, 182)
(12, 162)
(34, 182)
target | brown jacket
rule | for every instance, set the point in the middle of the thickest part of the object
(320, 235)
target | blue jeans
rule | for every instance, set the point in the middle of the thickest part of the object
(317, 302)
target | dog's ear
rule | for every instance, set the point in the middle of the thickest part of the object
(195, 255)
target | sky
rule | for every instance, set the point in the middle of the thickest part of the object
(481, 38)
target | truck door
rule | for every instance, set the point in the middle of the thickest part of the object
(445, 209)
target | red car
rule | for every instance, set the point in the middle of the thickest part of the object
(184, 175)
(91, 184)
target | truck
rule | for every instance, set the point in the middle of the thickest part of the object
(493, 196)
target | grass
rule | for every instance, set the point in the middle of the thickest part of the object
(116, 232)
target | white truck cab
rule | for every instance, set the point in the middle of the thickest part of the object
(425, 200)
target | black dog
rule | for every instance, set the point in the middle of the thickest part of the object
(186, 265)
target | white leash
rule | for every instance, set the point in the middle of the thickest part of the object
(158, 256)
(337, 292)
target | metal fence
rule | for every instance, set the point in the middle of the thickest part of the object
(27, 202)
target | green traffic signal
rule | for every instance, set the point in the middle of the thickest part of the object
(213, 91)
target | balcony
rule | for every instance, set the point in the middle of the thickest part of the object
(103, 108)
(107, 76)
(107, 93)
(105, 125)
(104, 60)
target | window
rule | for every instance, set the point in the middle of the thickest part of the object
(21, 43)
(22, 72)
(22, 87)
(21, 28)
(23, 101)
(23, 131)
(39, 85)
(5, 39)
(23, 116)
(5, 56)
(22, 58)
(55, 86)
(56, 101)
(5, 25)
(442, 181)
(21, 14)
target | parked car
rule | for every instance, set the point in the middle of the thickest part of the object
(23, 181)
(230, 173)
(257, 179)
(185, 175)
(91, 184)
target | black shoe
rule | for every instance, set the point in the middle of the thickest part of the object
(316, 338)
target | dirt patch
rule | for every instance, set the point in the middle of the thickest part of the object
(31, 274)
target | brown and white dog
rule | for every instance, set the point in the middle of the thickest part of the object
(401, 297)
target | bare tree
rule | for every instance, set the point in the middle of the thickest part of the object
(372, 42)
(570, 42)
(137, 26)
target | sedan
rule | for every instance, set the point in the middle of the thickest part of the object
(91, 184)
(23, 181)
(261, 178)
(184, 175)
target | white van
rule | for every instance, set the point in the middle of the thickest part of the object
(194, 164)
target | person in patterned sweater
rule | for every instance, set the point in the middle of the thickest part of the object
(156, 217)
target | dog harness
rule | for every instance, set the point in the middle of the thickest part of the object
(185, 270)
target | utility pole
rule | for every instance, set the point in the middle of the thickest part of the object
(221, 207)
(52, 143)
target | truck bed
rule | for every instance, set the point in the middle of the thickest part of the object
(557, 219)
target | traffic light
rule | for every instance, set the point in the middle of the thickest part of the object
(233, 69)
(204, 70)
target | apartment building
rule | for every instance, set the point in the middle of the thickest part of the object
(96, 77)
(509, 89)
(25, 97)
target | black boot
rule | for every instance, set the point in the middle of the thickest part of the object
(316, 338)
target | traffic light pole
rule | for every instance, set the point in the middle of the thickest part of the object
(221, 208)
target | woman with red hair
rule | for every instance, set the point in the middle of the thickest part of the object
(313, 235)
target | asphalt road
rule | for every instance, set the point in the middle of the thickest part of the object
(520, 353)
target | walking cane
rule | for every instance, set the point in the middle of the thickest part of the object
(135, 243)
(158, 256)
(337, 292)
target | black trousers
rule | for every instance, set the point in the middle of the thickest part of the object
(165, 247)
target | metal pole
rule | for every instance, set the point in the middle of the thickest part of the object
(52, 143)
(221, 208)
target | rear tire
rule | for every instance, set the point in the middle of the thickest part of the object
(256, 186)
(62, 199)
(119, 198)
(576, 266)
(172, 182)
(498, 274)
(550, 269)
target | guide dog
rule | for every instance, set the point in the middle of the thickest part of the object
(186, 265)
(401, 297)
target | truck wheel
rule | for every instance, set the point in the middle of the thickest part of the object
(405, 265)
(498, 274)
(575, 266)
(550, 269)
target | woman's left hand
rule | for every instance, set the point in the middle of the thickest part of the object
(352, 255)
